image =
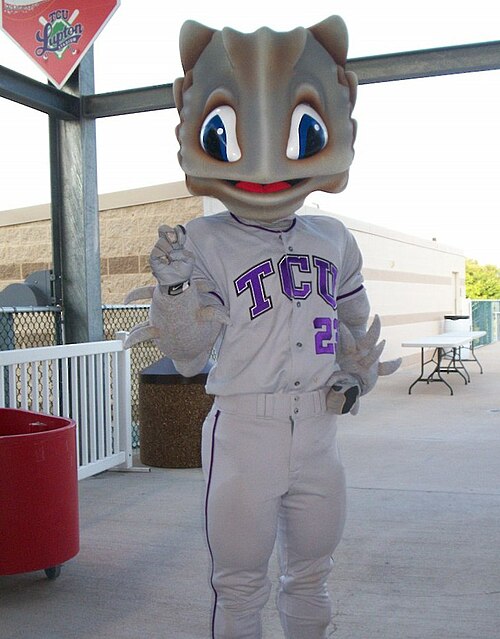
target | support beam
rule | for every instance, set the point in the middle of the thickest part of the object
(28, 92)
(104, 105)
(381, 68)
(426, 63)
(75, 216)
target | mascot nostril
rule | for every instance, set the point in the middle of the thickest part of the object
(265, 119)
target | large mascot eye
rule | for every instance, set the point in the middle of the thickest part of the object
(218, 135)
(308, 133)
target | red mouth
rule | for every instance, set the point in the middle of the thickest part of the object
(255, 187)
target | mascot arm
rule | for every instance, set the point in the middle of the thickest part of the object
(186, 315)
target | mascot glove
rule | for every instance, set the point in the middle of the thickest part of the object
(343, 396)
(360, 367)
(171, 264)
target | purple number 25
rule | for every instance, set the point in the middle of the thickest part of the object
(327, 335)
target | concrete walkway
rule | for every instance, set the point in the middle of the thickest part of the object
(419, 557)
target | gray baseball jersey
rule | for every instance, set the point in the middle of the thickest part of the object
(283, 287)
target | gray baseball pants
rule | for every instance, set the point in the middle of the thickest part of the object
(272, 473)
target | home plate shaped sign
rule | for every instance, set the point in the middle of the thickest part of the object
(56, 34)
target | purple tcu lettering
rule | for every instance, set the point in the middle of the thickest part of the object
(253, 281)
(289, 268)
(290, 287)
(326, 279)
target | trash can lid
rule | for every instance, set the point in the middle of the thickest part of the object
(164, 372)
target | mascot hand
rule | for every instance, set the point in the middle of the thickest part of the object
(343, 396)
(171, 264)
(361, 357)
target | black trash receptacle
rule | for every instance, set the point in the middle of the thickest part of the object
(172, 409)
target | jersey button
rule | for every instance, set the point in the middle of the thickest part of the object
(290, 248)
(299, 344)
(299, 304)
(296, 383)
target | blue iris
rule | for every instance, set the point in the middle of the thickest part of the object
(214, 138)
(308, 133)
(218, 134)
(312, 136)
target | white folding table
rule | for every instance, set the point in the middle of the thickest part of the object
(444, 344)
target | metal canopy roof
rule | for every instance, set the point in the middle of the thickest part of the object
(72, 113)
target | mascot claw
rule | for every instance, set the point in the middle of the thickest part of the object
(141, 333)
(142, 293)
(389, 367)
(361, 358)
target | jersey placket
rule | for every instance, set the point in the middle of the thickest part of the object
(296, 340)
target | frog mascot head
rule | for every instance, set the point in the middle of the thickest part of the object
(265, 118)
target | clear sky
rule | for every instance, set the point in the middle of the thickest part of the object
(427, 154)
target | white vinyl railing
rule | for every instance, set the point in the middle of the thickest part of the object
(88, 382)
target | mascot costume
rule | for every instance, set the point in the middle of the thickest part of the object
(265, 119)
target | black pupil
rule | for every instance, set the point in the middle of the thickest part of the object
(315, 139)
(214, 142)
(311, 136)
(314, 142)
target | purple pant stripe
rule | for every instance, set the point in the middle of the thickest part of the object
(209, 480)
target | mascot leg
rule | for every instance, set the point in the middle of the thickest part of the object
(271, 477)
(311, 523)
(241, 518)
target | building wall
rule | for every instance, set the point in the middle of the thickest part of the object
(24, 248)
(412, 283)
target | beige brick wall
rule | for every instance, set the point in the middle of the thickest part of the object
(127, 235)
(24, 248)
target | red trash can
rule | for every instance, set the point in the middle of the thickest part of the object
(39, 524)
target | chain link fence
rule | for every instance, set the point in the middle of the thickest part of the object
(119, 317)
(30, 327)
(486, 317)
(33, 327)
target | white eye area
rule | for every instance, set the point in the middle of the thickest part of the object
(308, 133)
(218, 135)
